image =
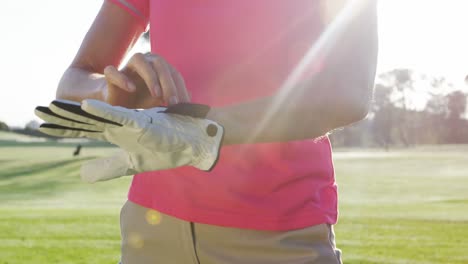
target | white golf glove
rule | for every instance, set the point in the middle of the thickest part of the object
(154, 139)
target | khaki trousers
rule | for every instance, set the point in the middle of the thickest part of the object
(152, 237)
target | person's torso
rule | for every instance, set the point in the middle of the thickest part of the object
(231, 51)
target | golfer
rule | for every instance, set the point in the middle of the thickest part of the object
(279, 75)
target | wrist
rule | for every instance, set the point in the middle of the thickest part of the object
(103, 92)
(213, 115)
(233, 133)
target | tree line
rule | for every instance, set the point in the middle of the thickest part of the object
(409, 109)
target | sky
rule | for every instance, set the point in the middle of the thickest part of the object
(40, 38)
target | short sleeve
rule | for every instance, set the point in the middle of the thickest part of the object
(137, 8)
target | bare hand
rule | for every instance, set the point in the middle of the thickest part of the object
(146, 81)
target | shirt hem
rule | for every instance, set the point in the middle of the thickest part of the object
(299, 221)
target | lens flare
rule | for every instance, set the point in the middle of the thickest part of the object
(153, 217)
(316, 52)
(135, 240)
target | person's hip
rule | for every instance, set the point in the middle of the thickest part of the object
(149, 236)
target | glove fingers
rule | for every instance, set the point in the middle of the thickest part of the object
(115, 114)
(108, 168)
(50, 117)
(73, 110)
(69, 132)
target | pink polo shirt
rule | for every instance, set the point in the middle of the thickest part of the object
(232, 51)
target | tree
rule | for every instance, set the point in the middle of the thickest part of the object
(437, 105)
(401, 83)
(457, 103)
(395, 118)
(4, 126)
(32, 125)
(382, 109)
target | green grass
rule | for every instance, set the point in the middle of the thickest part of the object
(48, 215)
(402, 206)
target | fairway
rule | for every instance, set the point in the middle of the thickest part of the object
(401, 206)
(404, 206)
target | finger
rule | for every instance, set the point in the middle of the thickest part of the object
(74, 111)
(107, 168)
(114, 114)
(68, 132)
(144, 69)
(168, 86)
(117, 78)
(50, 117)
(184, 96)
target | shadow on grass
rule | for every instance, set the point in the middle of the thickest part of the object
(91, 144)
(453, 201)
(18, 191)
(38, 180)
(33, 169)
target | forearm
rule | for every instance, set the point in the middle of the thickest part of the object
(262, 121)
(351, 63)
(110, 37)
(335, 97)
(78, 84)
